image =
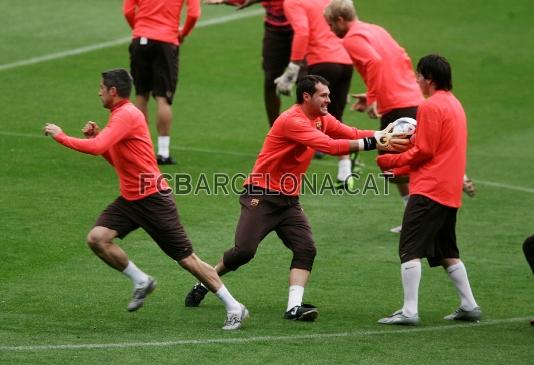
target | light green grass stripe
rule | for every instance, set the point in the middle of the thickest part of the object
(120, 41)
(238, 340)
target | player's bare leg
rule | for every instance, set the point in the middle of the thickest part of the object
(199, 290)
(296, 310)
(100, 240)
(163, 126)
(141, 102)
(236, 312)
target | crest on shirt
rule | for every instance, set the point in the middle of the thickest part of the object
(319, 124)
(254, 202)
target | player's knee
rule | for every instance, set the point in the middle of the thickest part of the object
(96, 238)
(311, 252)
(305, 255)
(245, 255)
(237, 257)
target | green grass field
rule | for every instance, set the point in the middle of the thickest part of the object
(60, 305)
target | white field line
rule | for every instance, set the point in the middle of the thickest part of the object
(240, 340)
(247, 154)
(505, 186)
(120, 41)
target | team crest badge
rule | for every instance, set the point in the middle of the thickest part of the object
(254, 202)
(319, 124)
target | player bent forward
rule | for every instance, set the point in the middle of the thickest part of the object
(436, 165)
(271, 198)
(145, 201)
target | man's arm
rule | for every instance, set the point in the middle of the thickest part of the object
(98, 145)
(337, 130)
(91, 130)
(370, 64)
(426, 143)
(300, 131)
(298, 19)
(193, 13)
(128, 10)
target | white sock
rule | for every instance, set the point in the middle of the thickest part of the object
(296, 292)
(411, 276)
(163, 146)
(138, 277)
(458, 275)
(228, 300)
(343, 171)
(405, 199)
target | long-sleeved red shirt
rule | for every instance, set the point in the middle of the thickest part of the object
(313, 40)
(160, 19)
(125, 142)
(437, 161)
(290, 145)
(384, 66)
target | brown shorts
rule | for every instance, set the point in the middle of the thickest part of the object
(339, 77)
(262, 213)
(428, 230)
(154, 67)
(157, 215)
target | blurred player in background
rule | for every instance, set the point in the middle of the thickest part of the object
(146, 200)
(315, 45)
(271, 198)
(276, 48)
(436, 165)
(528, 250)
(154, 58)
(386, 69)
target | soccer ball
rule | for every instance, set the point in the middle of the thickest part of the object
(404, 127)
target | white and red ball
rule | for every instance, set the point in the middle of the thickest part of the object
(404, 127)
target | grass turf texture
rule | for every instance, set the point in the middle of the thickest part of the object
(54, 291)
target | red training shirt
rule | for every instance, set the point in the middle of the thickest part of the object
(384, 66)
(160, 19)
(125, 142)
(313, 40)
(290, 145)
(437, 161)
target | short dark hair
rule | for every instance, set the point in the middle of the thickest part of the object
(307, 85)
(120, 79)
(436, 68)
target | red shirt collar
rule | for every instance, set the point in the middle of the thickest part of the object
(119, 104)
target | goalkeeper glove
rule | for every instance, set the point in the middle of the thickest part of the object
(384, 136)
(284, 83)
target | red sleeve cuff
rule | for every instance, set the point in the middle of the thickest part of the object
(339, 147)
(61, 137)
